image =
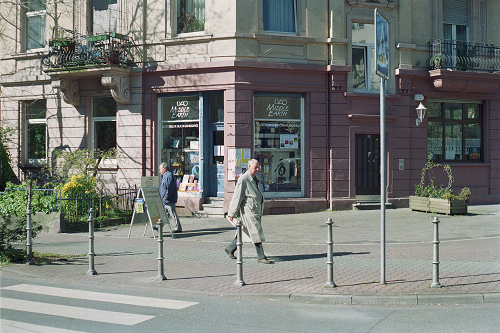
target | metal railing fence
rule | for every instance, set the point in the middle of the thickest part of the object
(464, 56)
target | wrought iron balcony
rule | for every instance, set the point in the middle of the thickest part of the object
(463, 56)
(68, 49)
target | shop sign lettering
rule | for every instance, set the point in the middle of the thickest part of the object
(269, 107)
(180, 108)
(278, 109)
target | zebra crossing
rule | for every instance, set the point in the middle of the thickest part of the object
(77, 312)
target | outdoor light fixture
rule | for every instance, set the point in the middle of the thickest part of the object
(420, 113)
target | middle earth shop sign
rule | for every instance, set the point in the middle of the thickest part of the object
(180, 108)
(272, 107)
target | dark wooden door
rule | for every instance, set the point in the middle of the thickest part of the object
(368, 164)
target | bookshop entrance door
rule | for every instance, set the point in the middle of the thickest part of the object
(216, 161)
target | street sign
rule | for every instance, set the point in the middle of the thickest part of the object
(381, 46)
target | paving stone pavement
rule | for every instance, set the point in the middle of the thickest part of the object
(195, 260)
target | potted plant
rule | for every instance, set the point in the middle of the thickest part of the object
(438, 199)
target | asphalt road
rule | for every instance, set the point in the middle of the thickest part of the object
(36, 305)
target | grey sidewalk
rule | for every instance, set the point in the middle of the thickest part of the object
(196, 262)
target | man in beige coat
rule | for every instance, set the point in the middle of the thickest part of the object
(248, 202)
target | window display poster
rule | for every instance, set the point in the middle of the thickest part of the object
(237, 162)
(289, 141)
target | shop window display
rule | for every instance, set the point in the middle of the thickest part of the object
(180, 140)
(278, 142)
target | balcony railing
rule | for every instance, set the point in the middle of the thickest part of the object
(69, 49)
(463, 56)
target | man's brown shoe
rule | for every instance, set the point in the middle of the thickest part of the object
(265, 261)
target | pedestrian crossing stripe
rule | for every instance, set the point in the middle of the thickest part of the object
(102, 297)
(74, 312)
(19, 327)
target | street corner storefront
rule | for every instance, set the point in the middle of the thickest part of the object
(191, 142)
(279, 144)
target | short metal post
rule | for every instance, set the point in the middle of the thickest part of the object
(435, 257)
(329, 255)
(91, 270)
(239, 256)
(161, 276)
(29, 231)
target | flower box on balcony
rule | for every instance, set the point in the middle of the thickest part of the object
(61, 42)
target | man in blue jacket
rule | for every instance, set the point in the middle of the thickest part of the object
(168, 194)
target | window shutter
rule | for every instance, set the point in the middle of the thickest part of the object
(104, 16)
(456, 12)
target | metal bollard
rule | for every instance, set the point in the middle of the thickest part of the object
(435, 257)
(161, 276)
(29, 231)
(239, 256)
(329, 255)
(91, 270)
(29, 237)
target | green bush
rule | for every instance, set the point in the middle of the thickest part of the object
(15, 201)
(10, 233)
(5, 169)
(433, 191)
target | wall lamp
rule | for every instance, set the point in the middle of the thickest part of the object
(420, 113)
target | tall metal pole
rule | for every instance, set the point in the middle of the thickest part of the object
(29, 231)
(382, 181)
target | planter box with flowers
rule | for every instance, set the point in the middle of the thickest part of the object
(430, 198)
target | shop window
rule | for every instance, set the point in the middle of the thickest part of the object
(180, 139)
(104, 123)
(363, 58)
(278, 143)
(35, 13)
(280, 15)
(454, 131)
(36, 130)
(190, 16)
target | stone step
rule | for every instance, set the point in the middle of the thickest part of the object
(214, 207)
(369, 206)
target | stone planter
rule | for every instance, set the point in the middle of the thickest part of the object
(435, 205)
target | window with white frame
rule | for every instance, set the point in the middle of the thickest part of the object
(190, 16)
(363, 57)
(35, 130)
(103, 123)
(280, 15)
(35, 13)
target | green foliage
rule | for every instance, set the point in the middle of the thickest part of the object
(66, 164)
(189, 23)
(11, 232)
(5, 169)
(14, 201)
(431, 190)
